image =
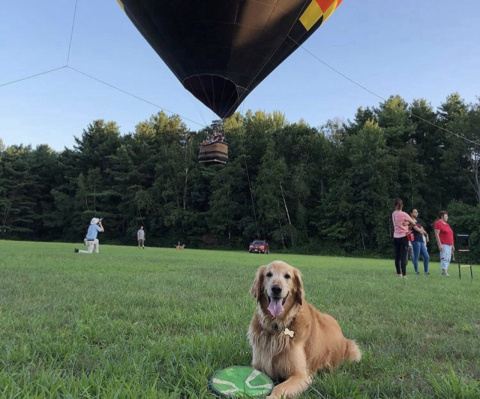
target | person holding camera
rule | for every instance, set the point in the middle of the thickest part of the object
(91, 237)
(419, 244)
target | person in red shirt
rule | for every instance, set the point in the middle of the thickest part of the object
(444, 236)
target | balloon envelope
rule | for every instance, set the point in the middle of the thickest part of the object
(220, 50)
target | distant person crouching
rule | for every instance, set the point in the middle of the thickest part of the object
(91, 237)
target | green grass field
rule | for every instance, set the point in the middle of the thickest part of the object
(157, 323)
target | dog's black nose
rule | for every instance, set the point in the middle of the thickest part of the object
(276, 290)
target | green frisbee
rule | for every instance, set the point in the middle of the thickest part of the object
(237, 381)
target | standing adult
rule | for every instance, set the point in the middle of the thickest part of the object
(444, 236)
(418, 244)
(91, 237)
(141, 237)
(401, 221)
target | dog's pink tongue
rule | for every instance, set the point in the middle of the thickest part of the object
(275, 307)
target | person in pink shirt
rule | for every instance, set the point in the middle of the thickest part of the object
(444, 236)
(401, 221)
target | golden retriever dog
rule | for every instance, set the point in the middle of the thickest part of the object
(290, 339)
(179, 247)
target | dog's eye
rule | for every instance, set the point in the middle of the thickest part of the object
(287, 276)
(269, 274)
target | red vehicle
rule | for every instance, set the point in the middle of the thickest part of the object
(259, 247)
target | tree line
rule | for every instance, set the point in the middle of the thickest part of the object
(326, 190)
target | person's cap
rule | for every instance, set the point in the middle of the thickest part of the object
(94, 221)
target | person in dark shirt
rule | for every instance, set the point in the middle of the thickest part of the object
(418, 244)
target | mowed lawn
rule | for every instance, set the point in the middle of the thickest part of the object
(157, 323)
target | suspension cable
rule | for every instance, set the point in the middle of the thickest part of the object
(382, 98)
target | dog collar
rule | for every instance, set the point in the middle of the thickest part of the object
(276, 328)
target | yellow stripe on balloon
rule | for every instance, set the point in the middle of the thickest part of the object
(311, 15)
(121, 5)
(314, 12)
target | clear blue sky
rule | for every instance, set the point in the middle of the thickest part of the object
(413, 48)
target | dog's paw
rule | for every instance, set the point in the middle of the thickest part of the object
(277, 394)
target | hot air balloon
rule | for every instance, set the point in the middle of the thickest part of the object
(220, 50)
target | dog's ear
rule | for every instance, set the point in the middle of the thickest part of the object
(299, 295)
(257, 287)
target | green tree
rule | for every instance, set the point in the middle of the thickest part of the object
(399, 131)
(428, 140)
(273, 209)
(473, 148)
(16, 183)
(453, 116)
(228, 203)
(358, 206)
(47, 173)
